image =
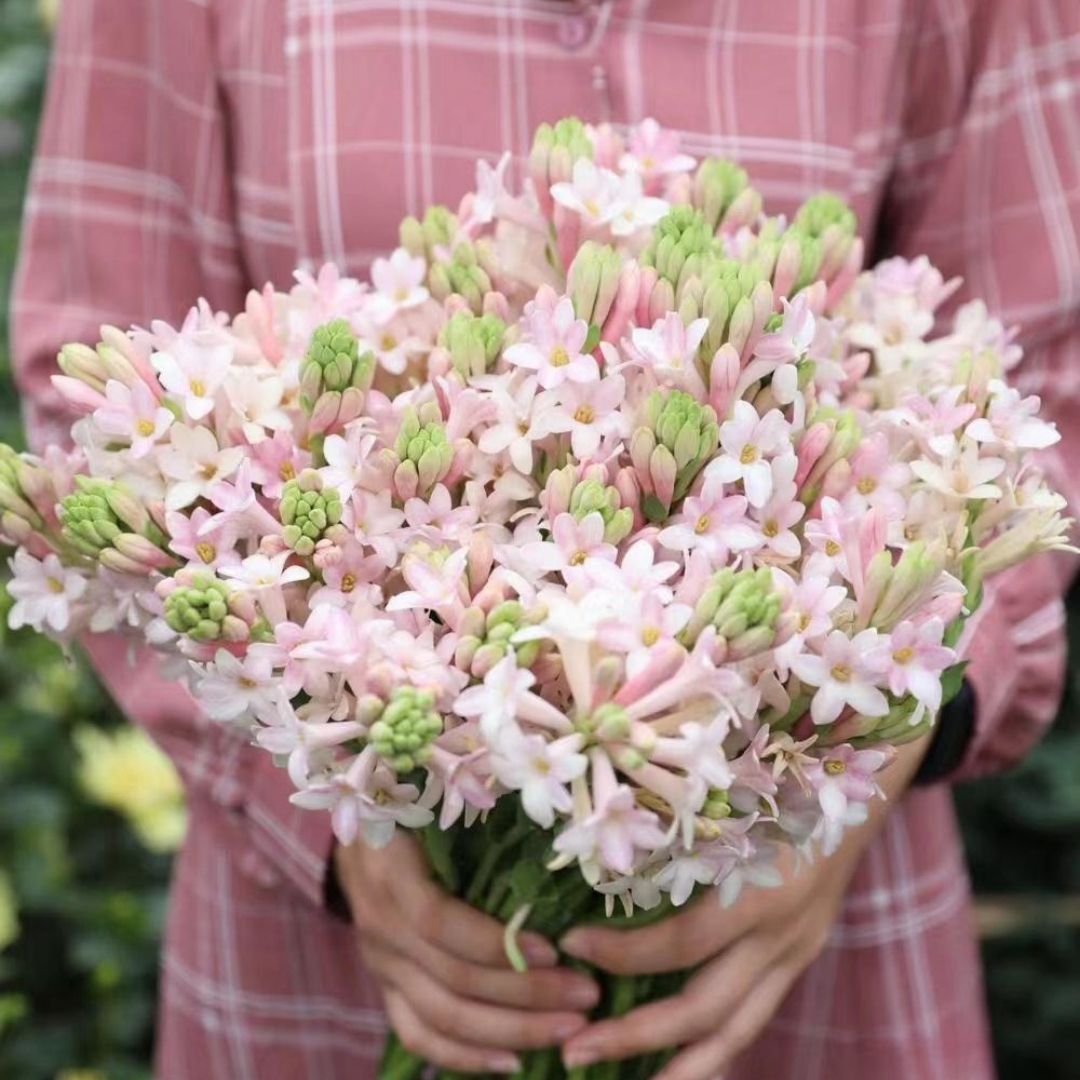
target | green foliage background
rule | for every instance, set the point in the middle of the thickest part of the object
(77, 985)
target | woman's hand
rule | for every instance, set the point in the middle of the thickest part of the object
(751, 954)
(450, 992)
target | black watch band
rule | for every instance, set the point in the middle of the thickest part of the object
(952, 737)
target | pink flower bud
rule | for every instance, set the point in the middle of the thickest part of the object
(325, 413)
(787, 270)
(115, 560)
(141, 550)
(608, 147)
(83, 398)
(812, 445)
(622, 310)
(481, 559)
(136, 355)
(846, 276)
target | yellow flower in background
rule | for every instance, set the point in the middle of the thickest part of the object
(9, 913)
(125, 771)
(49, 11)
(81, 1074)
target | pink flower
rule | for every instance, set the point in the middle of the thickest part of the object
(552, 345)
(877, 479)
(917, 659)
(188, 539)
(829, 535)
(937, 421)
(231, 688)
(572, 542)
(844, 775)
(194, 367)
(669, 351)
(615, 828)
(653, 151)
(748, 441)
(791, 341)
(44, 592)
(437, 585)
(540, 770)
(437, 520)
(515, 428)
(963, 474)
(194, 463)
(134, 415)
(711, 522)
(275, 461)
(847, 673)
(783, 510)
(399, 285)
(503, 699)
(643, 625)
(1010, 421)
(637, 573)
(587, 411)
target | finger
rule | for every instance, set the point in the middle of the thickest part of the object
(460, 929)
(437, 1049)
(707, 1059)
(687, 1016)
(672, 944)
(536, 989)
(470, 1021)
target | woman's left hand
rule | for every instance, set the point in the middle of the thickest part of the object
(750, 955)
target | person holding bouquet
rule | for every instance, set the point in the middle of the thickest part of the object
(202, 148)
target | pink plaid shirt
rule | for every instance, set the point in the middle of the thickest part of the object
(204, 146)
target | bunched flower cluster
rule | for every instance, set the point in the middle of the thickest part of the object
(614, 495)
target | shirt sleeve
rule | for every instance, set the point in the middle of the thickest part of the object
(129, 217)
(987, 184)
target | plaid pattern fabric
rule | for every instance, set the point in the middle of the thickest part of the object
(204, 146)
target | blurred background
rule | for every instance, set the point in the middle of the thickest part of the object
(90, 812)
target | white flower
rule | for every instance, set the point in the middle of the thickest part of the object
(846, 674)
(194, 463)
(496, 700)
(490, 189)
(963, 474)
(748, 441)
(44, 591)
(399, 285)
(540, 771)
(230, 688)
(134, 415)
(264, 571)
(256, 403)
(193, 369)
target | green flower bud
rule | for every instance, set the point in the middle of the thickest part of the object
(743, 608)
(308, 510)
(406, 728)
(717, 184)
(824, 212)
(717, 805)
(593, 281)
(437, 229)
(100, 511)
(472, 341)
(681, 246)
(728, 290)
(462, 276)
(424, 448)
(200, 610)
(487, 638)
(333, 364)
(687, 429)
(593, 497)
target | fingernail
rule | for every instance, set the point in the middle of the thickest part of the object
(569, 1028)
(580, 1056)
(583, 995)
(539, 952)
(576, 943)
(504, 1063)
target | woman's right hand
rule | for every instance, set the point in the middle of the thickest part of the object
(451, 995)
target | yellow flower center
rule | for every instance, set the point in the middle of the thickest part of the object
(287, 471)
(584, 414)
(246, 683)
(592, 208)
(834, 768)
(578, 558)
(198, 387)
(387, 342)
(145, 428)
(401, 294)
(749, 454)
(205, 551)
(650, 636)
(911, 532)
(559, 357)
(348, 583)
(770, 528)
(541, 766)
(841, 673)
(209, 470)
(804, 622)
(832, 548)
(904, 655)
(55, 585)
(702, 524)
(867, 485)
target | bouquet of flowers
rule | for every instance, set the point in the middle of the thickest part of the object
(611, 536)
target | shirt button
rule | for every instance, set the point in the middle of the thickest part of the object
(573, 31)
